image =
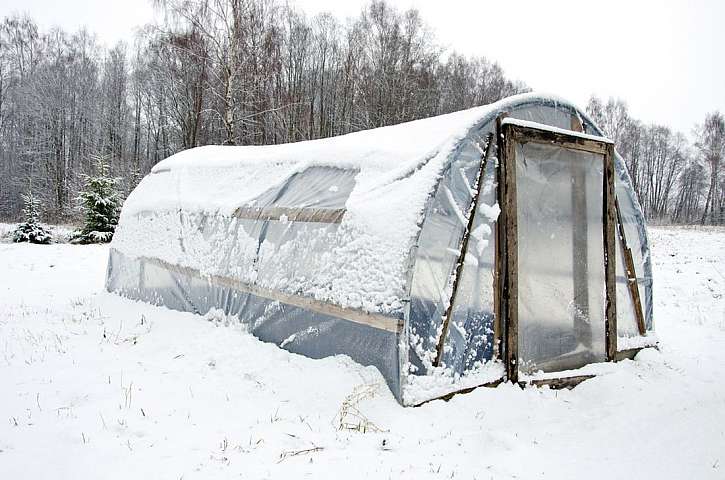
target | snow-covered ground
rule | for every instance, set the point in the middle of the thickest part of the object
(95, 386)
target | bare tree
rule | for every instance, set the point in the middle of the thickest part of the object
(711, 143)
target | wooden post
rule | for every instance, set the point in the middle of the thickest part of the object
(630, 273)
(500, 250)
(509, 296)
(610, 262)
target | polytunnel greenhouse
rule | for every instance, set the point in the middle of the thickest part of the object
(451, 252)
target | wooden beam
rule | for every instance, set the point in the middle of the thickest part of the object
(610, 261)
(374, 320)
(573, 142)
(463, 248)
(510, 300)
(462, 391)
(553, 383)
(291, 214)
(559, 383)
(630, 353)
(500, 251)
(630, 273)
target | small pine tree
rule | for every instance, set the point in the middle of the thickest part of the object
(100, 203)
(31, 230)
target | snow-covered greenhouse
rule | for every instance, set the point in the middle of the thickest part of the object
(450, 252)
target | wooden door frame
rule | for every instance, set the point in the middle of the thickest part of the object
(508, 135)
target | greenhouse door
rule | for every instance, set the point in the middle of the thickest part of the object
(558, 298)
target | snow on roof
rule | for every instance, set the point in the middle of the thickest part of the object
(221, 178)
(397, 166)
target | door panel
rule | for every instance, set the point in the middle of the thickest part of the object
(561, 281)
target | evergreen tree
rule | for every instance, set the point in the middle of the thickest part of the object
(31, 230)
(100, 203)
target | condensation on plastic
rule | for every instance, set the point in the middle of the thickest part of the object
(279, 254)
(560, 259)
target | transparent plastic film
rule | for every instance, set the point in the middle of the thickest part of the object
(560, 257)
(470, 340)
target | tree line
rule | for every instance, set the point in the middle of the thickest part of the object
(236, 72)
(676, 181)
(254, 72)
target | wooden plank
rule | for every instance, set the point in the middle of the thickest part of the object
(559, 383)
(530, 134)
(462, 391)
(553, 383)
(317, 215)
(507, 155)
(630, 273)
(500, 251)
(610, 263)
(630, 353)
(463, 248)
(374, 320)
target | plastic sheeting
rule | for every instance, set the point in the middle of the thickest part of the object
(299, 330)
(314, 187)
(470, 342)
(560, 258)
(438, 251)
(279, 274)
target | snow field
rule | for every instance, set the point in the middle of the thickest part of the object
(96, 386)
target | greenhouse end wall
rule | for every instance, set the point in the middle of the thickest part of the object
(469, 345)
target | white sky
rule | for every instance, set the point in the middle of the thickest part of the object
(665, 58)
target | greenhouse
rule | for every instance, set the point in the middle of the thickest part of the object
(451, 252)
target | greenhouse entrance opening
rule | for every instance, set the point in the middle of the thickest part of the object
(557, 197)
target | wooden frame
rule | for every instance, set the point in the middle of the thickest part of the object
(509, 249)
(500, 252)
(610, 258)
(374, 320)
(509, 134)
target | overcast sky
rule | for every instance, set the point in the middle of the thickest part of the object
(665, 58)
